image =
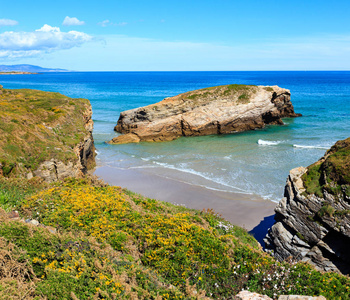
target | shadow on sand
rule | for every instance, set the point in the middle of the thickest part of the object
(261, 229)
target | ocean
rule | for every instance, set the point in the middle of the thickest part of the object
(255, 162)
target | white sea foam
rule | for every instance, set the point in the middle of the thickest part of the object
(268, 143)
(193, 172)
(140, 167)
(310, 147)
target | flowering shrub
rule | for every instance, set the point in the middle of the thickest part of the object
(67, 266)
(187, 248)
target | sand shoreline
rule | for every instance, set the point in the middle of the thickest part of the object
(240, 209)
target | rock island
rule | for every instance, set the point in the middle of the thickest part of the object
(215, 110)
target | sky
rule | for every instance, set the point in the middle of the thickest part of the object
(191, 35)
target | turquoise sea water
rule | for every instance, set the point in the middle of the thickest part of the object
(252, 162)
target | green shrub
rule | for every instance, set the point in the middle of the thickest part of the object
(187, 249)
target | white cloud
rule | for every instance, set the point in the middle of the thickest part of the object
(125, 53)
(104, 23)
(8, 22)
(43, 40)
(72, 21)
(7, 54)
(122, 24)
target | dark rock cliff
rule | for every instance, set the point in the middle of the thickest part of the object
(313, 218)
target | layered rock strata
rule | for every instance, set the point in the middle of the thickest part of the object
(313, 218)
(215, 110)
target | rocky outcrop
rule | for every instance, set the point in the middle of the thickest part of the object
(54, 169)
(45, 134)
(313, 218)
(216, 110)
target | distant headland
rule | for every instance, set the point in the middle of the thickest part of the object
(16, 73)
(26, 69)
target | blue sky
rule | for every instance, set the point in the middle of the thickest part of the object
(176, 35)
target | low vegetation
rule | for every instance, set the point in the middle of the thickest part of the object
(332, 174)
(233, 92)
(37, 126)
(114, 244)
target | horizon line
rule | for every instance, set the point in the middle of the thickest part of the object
(75, 71)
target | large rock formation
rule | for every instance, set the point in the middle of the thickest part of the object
(313, 218)
(215, 110)
(44, 134)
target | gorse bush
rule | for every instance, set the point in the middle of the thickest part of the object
(66, 266)
(184, 250)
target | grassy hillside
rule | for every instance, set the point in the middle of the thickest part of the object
(37, 126)
(114, 244)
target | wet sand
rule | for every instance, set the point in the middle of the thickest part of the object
(244, 210)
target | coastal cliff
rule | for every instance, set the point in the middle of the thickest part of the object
(313, 218)
(44, 134)
(214, 110)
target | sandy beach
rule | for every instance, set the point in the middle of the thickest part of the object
(248, 211)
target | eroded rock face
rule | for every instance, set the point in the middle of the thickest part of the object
(315, 227)
(54, 169)
(216, 110)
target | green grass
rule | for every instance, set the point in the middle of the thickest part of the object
(14, 191)
(237, 88)
(332, 174)
(326, 210)
(311, 180)
(34, 124)
(243, 99)
(239, 91)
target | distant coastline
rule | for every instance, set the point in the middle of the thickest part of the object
(26, 69)
(17, 73)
